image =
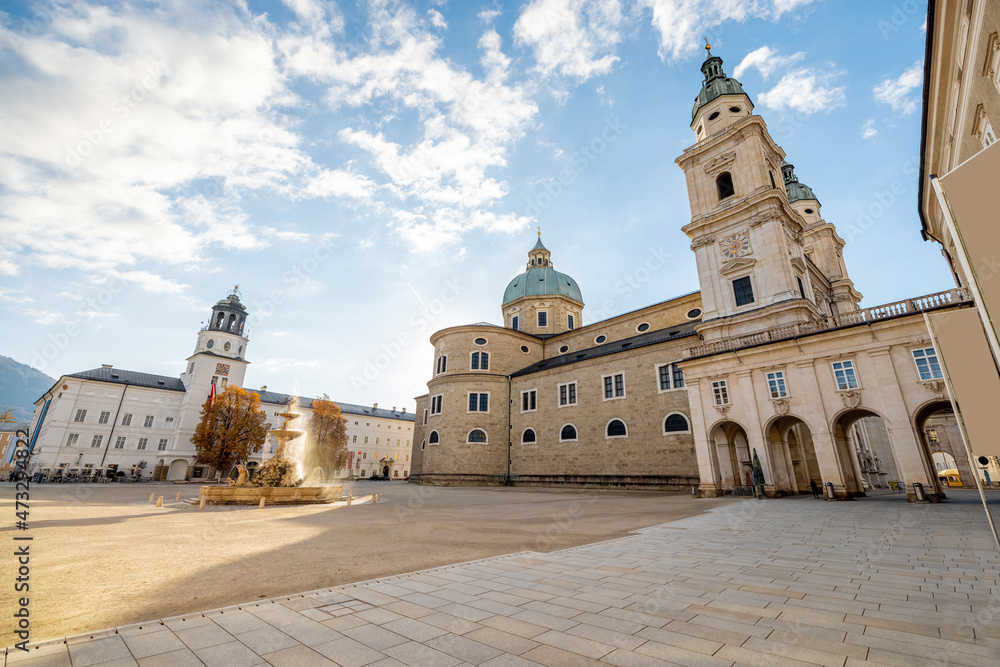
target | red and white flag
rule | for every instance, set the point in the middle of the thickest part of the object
(211, 396)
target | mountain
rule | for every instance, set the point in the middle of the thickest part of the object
(20, 386)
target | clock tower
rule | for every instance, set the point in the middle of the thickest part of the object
(747, 238)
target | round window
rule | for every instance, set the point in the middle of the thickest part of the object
(715, 114)
(693, 314)
(643, 327)
(809, 210)
(480, 341)
(564, 349)
(227, 347)
(524, 348)
(210, 344)
(600, 339)
(734, 109)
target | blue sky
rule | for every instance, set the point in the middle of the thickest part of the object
(369, 173)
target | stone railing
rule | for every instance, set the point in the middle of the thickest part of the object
(862, 316)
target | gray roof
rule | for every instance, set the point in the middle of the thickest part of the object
(796, 191)
(716, 84)
(119, 376)
(542, 281)
(682, 330)
(276, 398)
(10, 427)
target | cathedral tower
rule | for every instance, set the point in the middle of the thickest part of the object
(747, 238)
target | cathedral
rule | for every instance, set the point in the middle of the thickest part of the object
(110, 422)
(772, 376)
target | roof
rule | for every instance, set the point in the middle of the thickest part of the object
(796, 191)
(539, 245)
(716, 84)
(682, 330)
(10, 427)
(542, 281)
(135, 378)
(276, 398)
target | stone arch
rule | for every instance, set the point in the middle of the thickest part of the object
(792, 454)
(177, 470)
(936, 429)
(731, 456)
(724, 184)
(864, 454)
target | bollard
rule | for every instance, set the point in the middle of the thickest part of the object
(159, 501)
(261, 506)
(349, 498)
(201, 505)
(830, 494)
(374, 498)
(151, 496)
(178, 499)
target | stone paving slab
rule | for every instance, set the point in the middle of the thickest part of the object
(776, 582)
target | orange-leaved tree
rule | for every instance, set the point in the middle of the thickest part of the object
(231, 429)
(327, 438)
(7, 416)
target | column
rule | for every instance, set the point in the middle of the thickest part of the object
(704, 447)
(825, 447)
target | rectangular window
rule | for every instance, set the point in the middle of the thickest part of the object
(569, 322)
(376, 440)
(720, 392)
(425, 416)
(215, 380)
(354, 438)
(529, 400)
(776, 384)
(72, 439)
(480, 361)
(442, 365)
(678, 377)
(96, 442)
(436, 404)
(844, 372)
(743, 291)
(142, 443)
(148, 422)
(513, 323)
(81, 415)
(479, 402)
(103, 419)
(927, 364)
(614, 386)
(120, 442)
(162, 445)
(543, 319)
(168, 422)
(671, 377)
(127, 419)
(567, 394)
(366, 440)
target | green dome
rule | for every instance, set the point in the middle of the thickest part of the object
(542, 282)
(796, 191)
(716, 84)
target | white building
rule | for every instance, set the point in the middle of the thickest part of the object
(108, 420)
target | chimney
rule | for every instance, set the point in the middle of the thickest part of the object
(107, 365)
(374, 406)
(404, 411)
(394, 408)
(263, 387)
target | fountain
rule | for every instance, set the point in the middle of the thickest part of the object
(279, 479)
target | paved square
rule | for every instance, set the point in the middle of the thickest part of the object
(779, 582)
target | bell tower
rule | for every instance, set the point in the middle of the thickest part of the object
(746, 237)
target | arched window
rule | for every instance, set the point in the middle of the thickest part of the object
(567, 433)
(433, 438)
(219, 320)
(480, 361)
(725, 185)
(528, 436)
(423, 445)
(676, 423)
(232, 323)
(616, 429)
(477, 436)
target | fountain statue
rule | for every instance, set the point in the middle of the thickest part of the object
(282, 469)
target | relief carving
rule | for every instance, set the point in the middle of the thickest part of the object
(781, 406)
(852, 399)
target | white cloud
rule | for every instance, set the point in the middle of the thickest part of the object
(682, 23)
(896, 92)
(766, 60)
(573, 38)
(806, 91)
(868, 131)
(151, 282)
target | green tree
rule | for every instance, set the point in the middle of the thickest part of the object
(327, 438)
(231, 429)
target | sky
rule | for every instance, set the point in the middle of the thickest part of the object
(369, 173)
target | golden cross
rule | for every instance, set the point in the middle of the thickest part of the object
(539, 232)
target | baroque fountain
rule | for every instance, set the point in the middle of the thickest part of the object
(280, 480)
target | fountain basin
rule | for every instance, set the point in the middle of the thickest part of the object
(273, 495)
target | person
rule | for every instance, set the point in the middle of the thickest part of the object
(814, 487)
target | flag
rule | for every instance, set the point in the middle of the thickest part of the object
(211, 396)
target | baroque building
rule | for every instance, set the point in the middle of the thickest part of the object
(106, 421)
(773, 368)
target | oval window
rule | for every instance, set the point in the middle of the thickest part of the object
(600, 339)
(227, 347)
(734, 109)
(480, 341)
(524, 348)
(809, 210)
(693, 314)
(210, 344)
(240, 351)
(643, 327)
(715, 114)
(564, 349)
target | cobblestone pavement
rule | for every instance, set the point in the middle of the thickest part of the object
(776, 582)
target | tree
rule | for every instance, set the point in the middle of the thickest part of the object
(7, 416)
(327, 438)
(231, 429)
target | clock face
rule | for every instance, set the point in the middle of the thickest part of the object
(222, 369)
(735, 246)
